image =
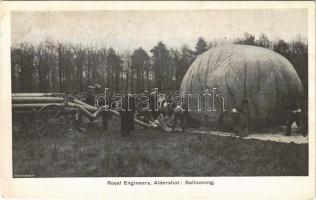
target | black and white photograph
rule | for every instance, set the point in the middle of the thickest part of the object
(162, 93)
(157, 99)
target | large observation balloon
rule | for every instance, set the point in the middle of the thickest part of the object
(265, 78)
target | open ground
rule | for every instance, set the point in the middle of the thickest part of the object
(152, 153)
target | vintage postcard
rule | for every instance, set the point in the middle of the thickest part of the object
(158, 100)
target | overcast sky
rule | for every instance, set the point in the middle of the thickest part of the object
(127, 30)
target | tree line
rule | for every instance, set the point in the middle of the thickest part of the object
(59, 67)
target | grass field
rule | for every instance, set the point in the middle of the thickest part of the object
(147, 153)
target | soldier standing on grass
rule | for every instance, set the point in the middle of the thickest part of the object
(132, 107)
(296, 115)
(127, 115)
(103, 102)
(146, 113)
(245, 116)
(93, 92)
(89, 100)
(178, 114)
(90, 95)
(241, 118)
(78, 121)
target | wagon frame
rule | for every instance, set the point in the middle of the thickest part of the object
(51, 112)
(54, 112)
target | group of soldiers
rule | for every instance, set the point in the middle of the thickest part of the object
(174, 113)
(241, 119)
(177, 113)
(170, 114)
(128, 111)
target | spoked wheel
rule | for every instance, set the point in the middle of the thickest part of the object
(50, 120)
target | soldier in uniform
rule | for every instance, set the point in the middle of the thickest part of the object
(178, 115)
(90, 95)
(93, 91)
(241, 118)
(146, 114)
(295, 115)
(127, 117)
(304, 127)
(105, 114)
(77, 120)
(235, 117)
(132, 107)
(245, 116)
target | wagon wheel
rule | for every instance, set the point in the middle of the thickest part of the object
(50, 120)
